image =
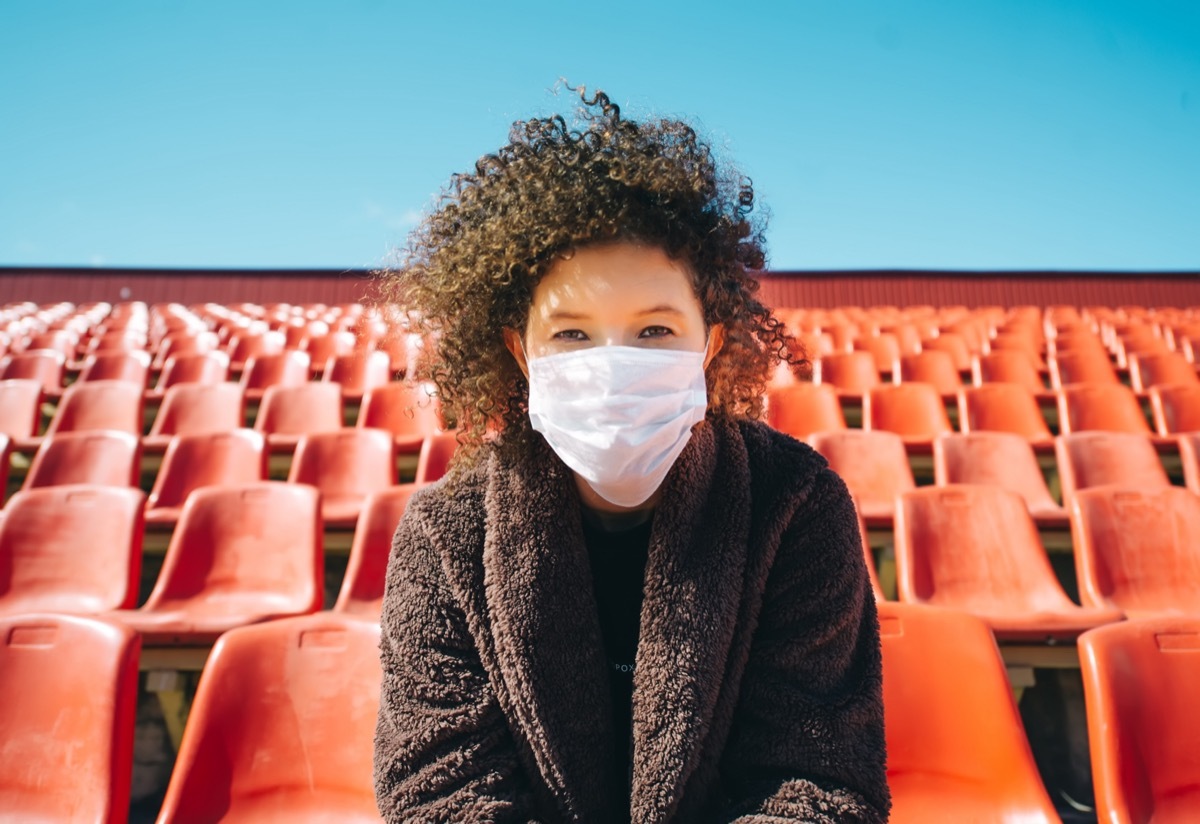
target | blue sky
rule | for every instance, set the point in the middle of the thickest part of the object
(916, 134)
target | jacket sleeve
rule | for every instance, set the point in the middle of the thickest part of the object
(807, 741)
(443, 749)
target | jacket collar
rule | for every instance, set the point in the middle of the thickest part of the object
(546, 633)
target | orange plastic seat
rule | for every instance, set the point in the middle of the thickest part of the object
(245, 346)
(1088, 459)
(195, 408)
(1002, 407)
(932, 367)
(975, 548)
(997, 459)
(1138, 549)
(804, 408)
(1022, 343)
(20, 408)
(1161, 369)
(1139, 682)
(957, 750)
(1175, 408)
(239, 555)
(850, 373)
(130, 366)
(1007, 367)
(884, 349)
(74, 549)
(869, 557)
(281, 726)
(234, 458)
(322, 348)
(102, 458)
(408, 410)
(46, 366)
(874, 466)
(955, 345)
(362, 587)
(196, 367)
(437, 452)
(1189, 455)
(288, 368)
(288, 413)
(914, 411)
(357, 372)
(98, 405)
(68, 703)
(346, 465)
(1104, 407)
(1082, 367)
(183, 343)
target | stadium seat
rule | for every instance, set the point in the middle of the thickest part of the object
(281, 726)
(245, 346)
(1138, 549)
(46, 366)
(868, 556)
(883, 348)
(1088, 459)
(1007, 367)
(1189, 454)
(953, 344)
(956, 747)
(346, 465)
(1139, 682)
(194, 408)
(997, 459)
(975, 548)
(95, 405)
(1091, 366)
(362, 587)
(1002, 407)
(288, 413)
(1175, 409)
(100, 457)
(183, 343)
(197, 367)
(850, 373)
(234, 458)
(804, 408)
(1100, 407)
(1023, 343)
(914, 411)
(68, 703)
(74, 549)
(239, 555)
(132, 367)
(932, 367)
(874, 466)
(433, 461)
(322, 348)
(288, 368)
(1162, 369)
(358, 372)
(20, 408)
(408, 410)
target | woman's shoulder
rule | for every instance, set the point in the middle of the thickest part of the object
(775, 453)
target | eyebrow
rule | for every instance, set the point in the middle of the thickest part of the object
(661, 309)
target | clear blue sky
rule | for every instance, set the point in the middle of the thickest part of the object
(905, 133)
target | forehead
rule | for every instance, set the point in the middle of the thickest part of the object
(614, 275)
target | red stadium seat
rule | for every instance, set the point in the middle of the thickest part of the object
(850, 373)
(869, 557)
(245, 346)
(362, 586)
(1189, 454)
(239, 555)
(20, 408)
(997, 459)
(322, 348)
(883, 348)
(132, 367)
(101, 458)
(874, 466)
(1138, 549)
(975, 548)
(46, 366)
(956, 747)
(433, 461)
(953, 344)
(289, 368)
(1002, 407)
(1090, 366)
(288, 413)
(99, 405)
(198, 367)
(1008, 367)
(68, 702)
(71, 549)
(408, 410)
(804, 408)
(234, 458)
(1088, 459)
(1175, 409)
(1139, 680)
(195, 408)
(914, 411)
(932, 367)
(281, 726)
(1161, 369)
(1100, 407)
(346, 465)
(358, 372)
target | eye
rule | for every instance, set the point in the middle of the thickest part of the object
(573, 335)
(655, 332)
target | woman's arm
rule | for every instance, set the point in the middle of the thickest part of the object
(807, 742)
(443, 750)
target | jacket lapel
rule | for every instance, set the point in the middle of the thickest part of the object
(693, 590)
(544, 625)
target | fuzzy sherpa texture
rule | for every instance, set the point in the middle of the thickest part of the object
(757, 683)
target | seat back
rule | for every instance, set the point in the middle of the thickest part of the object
(1007, 366)
(406, 409)
(302, 409)
(955, 345)
(101, 457)
(20, 407)
(932, 367)
(281, 725)
(1139, 682)
(130, 366)
(804, 408)
(1161, 369)
(1138, 549)
(1175, 408)
(956, 746)
(849, 372)
(1087, 366)
(1101, 407)
(46, 366)
(68, 703)
(366, 570)
(1189, 456)
(873, 464)
(884, 349)
(350, 462)
(196, 367)
(192, 408)
(911, 410)
(194, 461)
(356, 372)
(1087, 459)
(74, 549)
(436, 456)
(992, 459)
(99, 405)
(288, 368)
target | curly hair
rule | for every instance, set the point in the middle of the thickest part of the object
(470, 268)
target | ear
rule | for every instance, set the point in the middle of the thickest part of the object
(716, 339)
(512, 342)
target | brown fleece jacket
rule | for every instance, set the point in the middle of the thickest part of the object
(757, 683)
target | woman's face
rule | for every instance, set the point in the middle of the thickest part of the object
(614, 294)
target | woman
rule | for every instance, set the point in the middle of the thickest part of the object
(630, 601)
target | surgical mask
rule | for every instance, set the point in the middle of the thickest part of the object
(618, 415)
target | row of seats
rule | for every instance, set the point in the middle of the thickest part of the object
(285, 712)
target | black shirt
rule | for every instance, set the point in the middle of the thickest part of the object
(618, 561)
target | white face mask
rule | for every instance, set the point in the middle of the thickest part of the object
(618, 415)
